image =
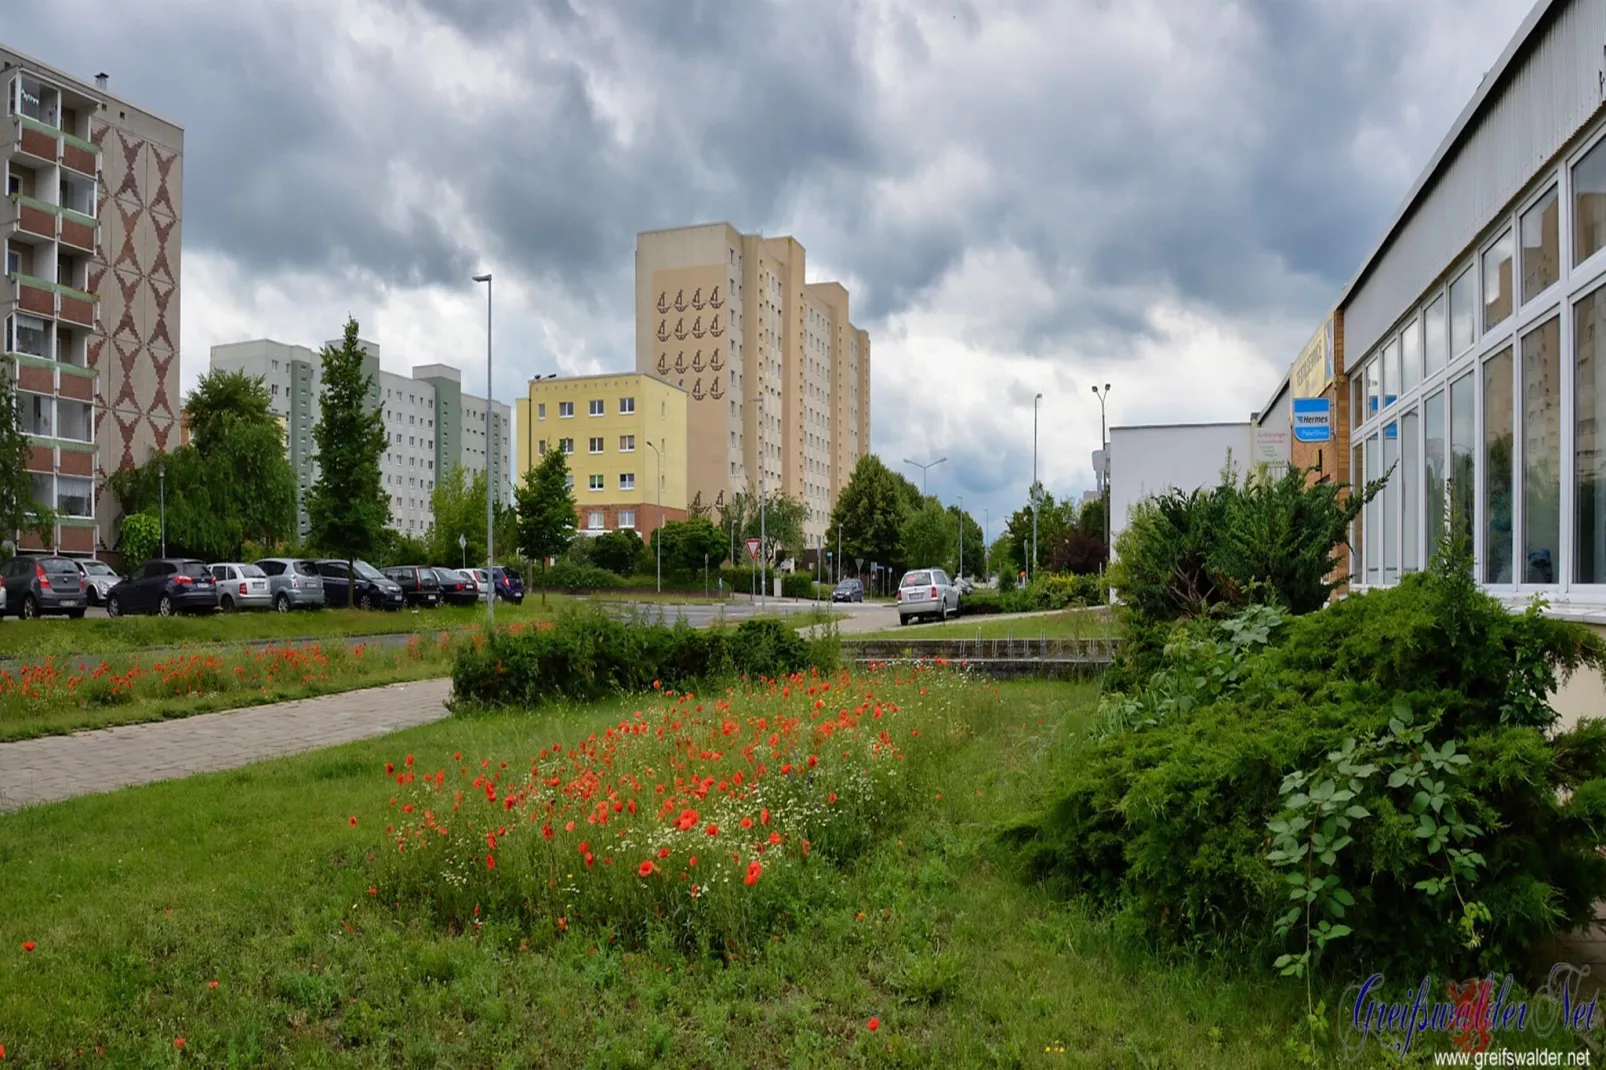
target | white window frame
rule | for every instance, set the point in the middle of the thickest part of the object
(627, 481)
(627, 405)
(565, 410)
(597, 407)
(596, 482)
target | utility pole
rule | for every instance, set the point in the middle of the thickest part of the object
(763, 510)
(658, 532)
(924, 468)
(1032, 569)
(490, 509)
(961, 536)
(1104, 476)
(838, 552)
(161, 484)
(986, 547)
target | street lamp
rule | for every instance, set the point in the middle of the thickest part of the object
(763, 503)
(490, 510)
(658, 532)
(986, 550)
(924, 468)
(961, 536)
(161, 486)
(1104, 476)
(1033, 570)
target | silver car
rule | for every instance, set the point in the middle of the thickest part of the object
(99, 577)
(927, 592)
(241, 586)
(293, 582)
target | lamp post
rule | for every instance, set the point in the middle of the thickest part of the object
(1032, 571)
(986, 549)
(1104, 476)
(924, 468)
(658, 532)
(763, 515)
(961, 536)
(161, 486)
(838, 561)
(490, 510)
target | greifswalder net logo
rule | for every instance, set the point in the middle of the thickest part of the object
(1483, 1018)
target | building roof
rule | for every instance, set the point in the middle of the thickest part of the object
(554, 380)
(1525, 38)
(88, 89)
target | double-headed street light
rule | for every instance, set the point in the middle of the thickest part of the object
(658, 532)
(763, 504)
(490, 508)
(924, 468)
(1033, 570)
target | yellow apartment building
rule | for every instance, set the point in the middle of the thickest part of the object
(619, 432)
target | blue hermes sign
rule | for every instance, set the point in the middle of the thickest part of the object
(1313, 419)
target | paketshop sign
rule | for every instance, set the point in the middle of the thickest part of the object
(1312, 373)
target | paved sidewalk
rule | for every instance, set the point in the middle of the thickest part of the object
(45, 770)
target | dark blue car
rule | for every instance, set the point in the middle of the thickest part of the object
(509, 584)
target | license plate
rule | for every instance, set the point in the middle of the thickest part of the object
(69, 602)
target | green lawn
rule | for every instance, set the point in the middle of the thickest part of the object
(139, 902)
(58, 636)
(1065, 624)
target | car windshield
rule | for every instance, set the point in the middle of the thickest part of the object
(58, 565)
(367, 571)
(916, 579)
(98, 568)
(306, 568)
(195, 570)
(251, 572)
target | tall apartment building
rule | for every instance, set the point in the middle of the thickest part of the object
(776, 374)
(431, 422)
(91, 295)
(621, 433)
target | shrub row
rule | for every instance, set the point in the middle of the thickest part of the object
(587, 655)
(1044, 592)
(578, 577)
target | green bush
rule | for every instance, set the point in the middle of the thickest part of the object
(586, 655)
(571, 576)
(1045, 591)
(1392, 760)
(797, 585)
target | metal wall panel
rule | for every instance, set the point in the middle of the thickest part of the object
(1550, 95)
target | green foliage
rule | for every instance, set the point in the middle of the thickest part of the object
(797, 585)
(620, 551)
(546, 510)
(348, 505)
(870, 511)
(222, 401)
(458, 506)
(929, 537)
(687, 546)
(575, 577)
(1045, 591)
(964, 525)
(780, 522)
(141, 537)
(1381, 783)
(19, 511)
(588, 655)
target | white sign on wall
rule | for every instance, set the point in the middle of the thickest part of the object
(1272, 445)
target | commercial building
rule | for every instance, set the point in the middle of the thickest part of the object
(622, 434)
(433, 425)
(776, 375)
(91, 294)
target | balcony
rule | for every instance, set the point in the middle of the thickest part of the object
(42, 298)
(35, 221)
(49, 145)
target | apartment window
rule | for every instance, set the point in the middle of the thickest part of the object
(1497, 467)
(566, 445)
(1541, 452)
(540, 448)
(565, 409)
(1410, 486)
(627, 443)
(1589, 206)
(594, 520)
(568, 481)
(627, 405)
(594, 481)
(1541, 245)
(1411, 356)
(596, 407)
(1433, 472)
(1589, 416)
(38, 414)
(1497, 282)
(28, 335)
(75, 496)
(1436, 335)
(627, 518)
(13, 262)
(1391, 373)
(1374, 514)
(596, 443)
(540, 411)
(627, 481)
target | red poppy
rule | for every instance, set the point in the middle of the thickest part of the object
(775, 837)
(645, 869)
(692, 861)
(753, 870)
(589, 860)
(663, 852)
(457, 756)
(490, 861)
(712, 830)
(874, 1024)
(372, 890)
(352, 820)
(211, 984)
(490, 840)
(831, 798)
(687, 820)
(409, 761)
(813, 761)
(390, 768)
(178, 1042)
(28, 945)
(546, 831)
(764, 816)
(747, 822)
(584, 848)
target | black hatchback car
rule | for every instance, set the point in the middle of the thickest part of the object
(372, 589)
(848, 591)
(166, 586)
(420, 586)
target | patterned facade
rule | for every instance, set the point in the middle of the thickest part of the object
(91, 304)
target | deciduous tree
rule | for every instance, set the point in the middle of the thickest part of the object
(19, 510)
(546, 512)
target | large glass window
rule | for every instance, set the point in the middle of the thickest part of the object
(1357, 538)
(1436, 331)
(1391, 503)
(29, 335)
(1463, 302)
(1372, 387)
(1463, 448)
(1589, 204)
(1541, 453)
(1410, 492)
(1411, 356)
(1433, 472)
(1541, 245)
(1391, 372)
(74, 496)
(37, 414)
(1589, 423)
(1497, 282)
(1497, 473)
(1357, 399)
(1374, 514)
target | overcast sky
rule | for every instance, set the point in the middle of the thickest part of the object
(1022, 196)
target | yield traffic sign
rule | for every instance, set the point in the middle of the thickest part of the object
(752, 548)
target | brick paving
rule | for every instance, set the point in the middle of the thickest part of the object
(60, 767)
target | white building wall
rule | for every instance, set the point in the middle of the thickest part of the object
(1151, 460)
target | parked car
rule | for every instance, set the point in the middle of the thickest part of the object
(848, 591)
(475, 578)
(99, 578)
(419, 584)
(293, 583)
(509, 584)
(369, 589)
(165, 586)
(241, 586)
(926, 592)
(456, 588)
(38, 585)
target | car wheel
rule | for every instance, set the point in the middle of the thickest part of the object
(164, 608)
(30, 608)
(94, 596)
(114, 606)
(366, 602)
(227, 605)
(282, 603)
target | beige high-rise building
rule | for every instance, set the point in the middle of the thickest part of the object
(777, 376)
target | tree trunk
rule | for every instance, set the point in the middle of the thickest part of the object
(543, 581)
